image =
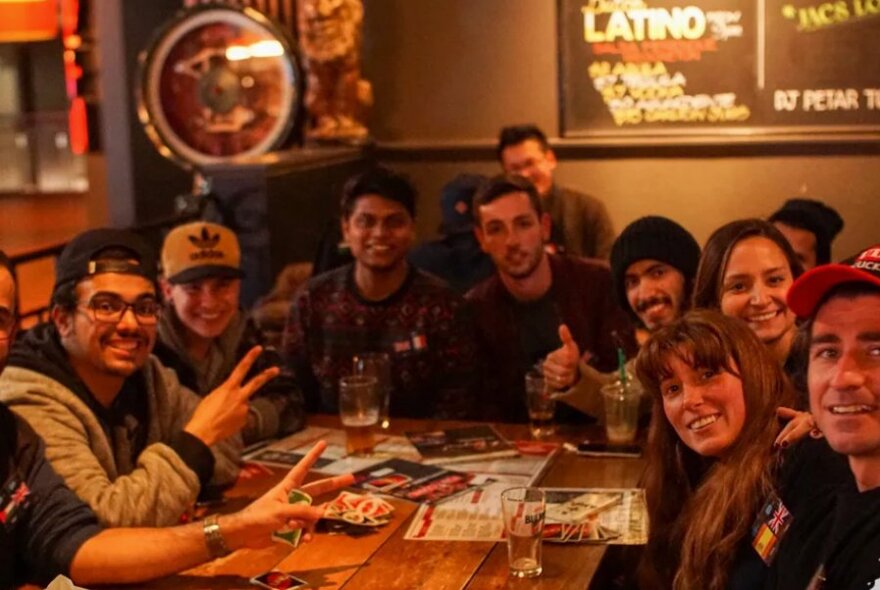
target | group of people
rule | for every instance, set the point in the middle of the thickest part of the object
(102, 449)
(134, 401)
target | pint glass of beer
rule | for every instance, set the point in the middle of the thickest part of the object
(541, 405)
(359, 404)
(378, 365)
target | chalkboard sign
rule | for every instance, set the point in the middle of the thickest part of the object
(637, 69)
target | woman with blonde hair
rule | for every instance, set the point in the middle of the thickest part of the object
(712, 464)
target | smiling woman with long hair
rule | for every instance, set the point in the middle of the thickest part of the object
(711, 459)
(745, 271)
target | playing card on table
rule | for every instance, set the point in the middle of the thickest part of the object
(276, 580)
(359, 509)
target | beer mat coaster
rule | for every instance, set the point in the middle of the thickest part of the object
(363, 510)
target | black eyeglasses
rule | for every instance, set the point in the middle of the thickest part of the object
(110, 309)
(7, 323)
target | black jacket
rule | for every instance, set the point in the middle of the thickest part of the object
(456, 258)
(838, 531)
(42, 523)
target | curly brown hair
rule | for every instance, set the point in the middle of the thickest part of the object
(701, 508)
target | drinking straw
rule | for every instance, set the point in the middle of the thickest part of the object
(621, 358)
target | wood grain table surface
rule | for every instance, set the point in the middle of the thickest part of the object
(385, 560)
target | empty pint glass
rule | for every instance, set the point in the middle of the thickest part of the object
(523, 511)
(378, 365)
(359, 411)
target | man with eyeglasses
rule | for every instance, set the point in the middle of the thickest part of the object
(203, 333)
(119, 428)
(45, 530)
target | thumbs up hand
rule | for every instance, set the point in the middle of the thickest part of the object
(561, 366)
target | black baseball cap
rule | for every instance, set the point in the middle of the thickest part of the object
(78, 260)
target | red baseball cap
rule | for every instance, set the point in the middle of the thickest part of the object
(809, 289)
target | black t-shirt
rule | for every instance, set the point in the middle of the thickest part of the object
(808, 470)
(42, 523)
(839, 532)
(538, 327)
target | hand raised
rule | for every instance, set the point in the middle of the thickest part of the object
(223, 412)
(561, 366)
(253, 526)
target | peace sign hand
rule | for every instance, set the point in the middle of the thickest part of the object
(253, 526)
(223, 412)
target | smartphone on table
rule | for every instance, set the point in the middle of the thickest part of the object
(595, 449)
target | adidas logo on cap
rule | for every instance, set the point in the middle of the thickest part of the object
(200, 250)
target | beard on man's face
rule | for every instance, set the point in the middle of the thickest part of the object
(520, 263)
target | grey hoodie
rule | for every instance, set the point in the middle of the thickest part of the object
(152, 489)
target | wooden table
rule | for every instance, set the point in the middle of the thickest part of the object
(386, 560)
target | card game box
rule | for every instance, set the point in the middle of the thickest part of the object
(416, 482)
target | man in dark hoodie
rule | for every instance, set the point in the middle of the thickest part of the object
(204, 333)
(810, 226)
(119, 428)
(456, 257)
(46, 530)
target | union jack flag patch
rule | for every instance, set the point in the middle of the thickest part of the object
(772, 522)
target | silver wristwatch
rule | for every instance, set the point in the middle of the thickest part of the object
(217, 546)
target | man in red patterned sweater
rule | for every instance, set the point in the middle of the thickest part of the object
(382, 304)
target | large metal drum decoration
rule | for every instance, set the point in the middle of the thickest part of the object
(218, 83)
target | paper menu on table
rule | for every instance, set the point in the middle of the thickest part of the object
(472, 516)
(476, 516)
